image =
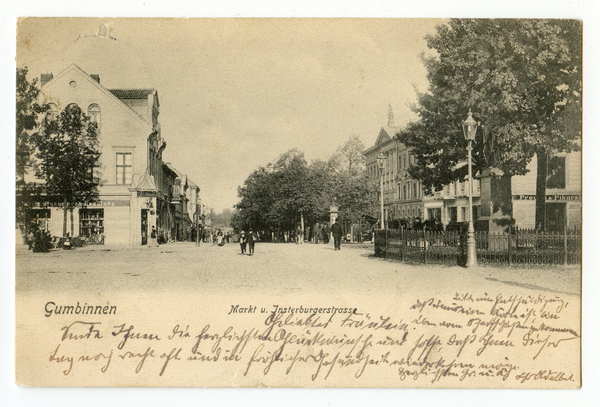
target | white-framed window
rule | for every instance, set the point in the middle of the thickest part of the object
(124, 167)
(94, 114)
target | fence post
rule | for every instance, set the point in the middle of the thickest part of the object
(387, 243)
(401, 243)
(565, 246)
(424, 244)
(509, 246)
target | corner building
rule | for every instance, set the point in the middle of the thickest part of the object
(135, 184)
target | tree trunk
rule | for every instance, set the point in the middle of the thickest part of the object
(540, 189)
(72, 224)
(65, 217)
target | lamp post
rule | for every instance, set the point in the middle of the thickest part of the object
(469, 130)
(380, 160)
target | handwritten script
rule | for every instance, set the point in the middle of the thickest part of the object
(474, 339)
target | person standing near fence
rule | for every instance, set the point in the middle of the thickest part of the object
(336, 230)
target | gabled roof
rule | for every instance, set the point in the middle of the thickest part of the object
(180, 175)
(97, 85)
(132, 93)
(146, 182)
(169, 169)
(386, 133)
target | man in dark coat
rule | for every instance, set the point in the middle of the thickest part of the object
(252, 238)
(336, 230)
(326, 234)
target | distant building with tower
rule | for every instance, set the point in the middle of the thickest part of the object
(405, 201)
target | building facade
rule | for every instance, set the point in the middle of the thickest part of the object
(404, 199)
(403, 195)
(135, 185)
(563, 194)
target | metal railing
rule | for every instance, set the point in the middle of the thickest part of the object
(519, 247)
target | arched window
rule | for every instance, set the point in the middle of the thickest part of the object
(94, 114)
(72, 106)
(52, 112)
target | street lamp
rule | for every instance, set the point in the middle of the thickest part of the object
(380, 160)
(470, 129)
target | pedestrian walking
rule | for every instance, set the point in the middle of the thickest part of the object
(220, 238)
(252, 238)
(243, 242)
(317, 232)
(336, 230)
(299, 236)
(326, 234)
(153, 238)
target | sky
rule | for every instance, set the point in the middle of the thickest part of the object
(235, 94)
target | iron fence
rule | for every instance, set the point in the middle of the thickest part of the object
(519, 247)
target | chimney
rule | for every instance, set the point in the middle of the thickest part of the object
(45, 78)
(95, 77)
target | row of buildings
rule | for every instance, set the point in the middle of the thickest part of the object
(137, 189)
(404, 198)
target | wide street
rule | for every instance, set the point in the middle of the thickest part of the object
(275, 269)
(178, 287)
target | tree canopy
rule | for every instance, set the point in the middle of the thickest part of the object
(27, 111)
(273, 198)
(68, 154)
(521, 79)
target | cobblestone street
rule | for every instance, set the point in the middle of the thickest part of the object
(275, 269)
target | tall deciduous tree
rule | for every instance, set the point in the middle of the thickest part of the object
(351, 188)
(522, 80)
(275, 197)
(68, 153)
(27, 112)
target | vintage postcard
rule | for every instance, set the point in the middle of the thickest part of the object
(327, 203)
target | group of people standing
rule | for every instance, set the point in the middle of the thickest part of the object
(321, 233)
(248, 240)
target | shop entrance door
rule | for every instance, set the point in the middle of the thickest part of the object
(555, 217)
(144, 225)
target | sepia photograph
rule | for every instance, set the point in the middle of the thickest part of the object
(337, 203)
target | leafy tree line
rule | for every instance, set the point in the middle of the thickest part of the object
(62, 151)
(521, 79)
(277, 196)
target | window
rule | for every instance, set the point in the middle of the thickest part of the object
(124, 168)
(556, 177)
(453, 214)
(415, 190)
(94, 114)
(52, 112)
(91, 222)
